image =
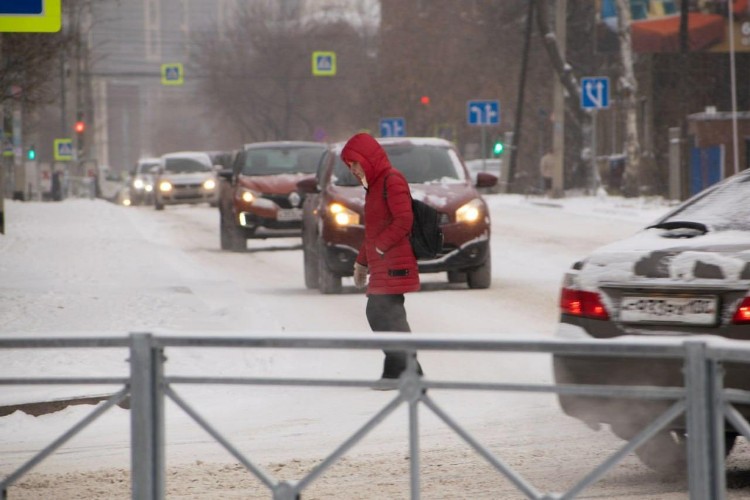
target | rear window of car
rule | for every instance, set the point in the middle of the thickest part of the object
(420, 164)
(724, 208)
(286, 160)
(185, 166)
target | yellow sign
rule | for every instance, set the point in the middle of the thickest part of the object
(31, 16)
(64, 149)
(172, 74)
(323, 63)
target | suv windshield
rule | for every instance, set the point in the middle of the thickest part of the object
(722, 208)
(185, 166)
(420, 164)
(286, 160)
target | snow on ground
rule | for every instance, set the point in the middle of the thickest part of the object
(90, 268)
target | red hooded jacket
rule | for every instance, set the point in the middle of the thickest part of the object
(388, 220)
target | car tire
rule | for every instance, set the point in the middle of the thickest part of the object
(328, 281)
(310, 259)
(480, 277)
(456, 277)
(232, 238)
(158, 205)
(666, 452)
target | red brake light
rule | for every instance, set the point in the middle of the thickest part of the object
(742, 315)
(587, 304)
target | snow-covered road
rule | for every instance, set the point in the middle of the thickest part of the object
(84, 267)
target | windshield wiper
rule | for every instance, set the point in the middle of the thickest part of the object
(681, 224)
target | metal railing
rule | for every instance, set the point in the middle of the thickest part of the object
(703, 400)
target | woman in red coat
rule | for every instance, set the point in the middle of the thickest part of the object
(386, 253)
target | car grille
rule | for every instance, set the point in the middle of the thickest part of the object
(282, 200)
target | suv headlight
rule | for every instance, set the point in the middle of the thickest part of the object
(246, 195)
(138, 184)
(343, 216)
(209, 184)
(165, 186)
(470, 212)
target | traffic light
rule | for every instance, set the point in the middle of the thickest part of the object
(425, 100)
(31, 153)
(80, 127)
(498, 148)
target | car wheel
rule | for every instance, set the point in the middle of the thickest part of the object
(328, 281)
(666, 452)
(480, 277)
(232, 237)
(310, 259)
(157, 204)
(456, 277)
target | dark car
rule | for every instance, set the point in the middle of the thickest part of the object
(259, 196)
(334, 212)
(687, 274)
(142, 181)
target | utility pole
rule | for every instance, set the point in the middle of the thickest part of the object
(2, 163)
(558, 123)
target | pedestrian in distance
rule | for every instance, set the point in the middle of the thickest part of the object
(546, 167)
(386, 254)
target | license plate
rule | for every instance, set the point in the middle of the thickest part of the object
(695, 310)
(286, 214)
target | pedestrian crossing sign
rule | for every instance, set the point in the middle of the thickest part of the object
(30, 16)
(172, 74)
(63, 149)
(323, 63)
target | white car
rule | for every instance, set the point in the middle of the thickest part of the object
(186, 177)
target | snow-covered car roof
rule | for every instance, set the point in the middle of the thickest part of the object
(193, 155)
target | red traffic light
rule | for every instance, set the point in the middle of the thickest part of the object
(80, 127)
(425, 99)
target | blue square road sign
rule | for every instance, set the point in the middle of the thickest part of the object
(595, 92)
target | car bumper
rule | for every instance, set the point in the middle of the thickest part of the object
(340, 258)
(250, 220)
(178, 197)
(467, 256)
(630, 371)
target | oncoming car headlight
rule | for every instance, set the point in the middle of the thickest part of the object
(470, 212)
(165, 186)
(246, 195)
(139, 184)
(209, 184)
(342, 215)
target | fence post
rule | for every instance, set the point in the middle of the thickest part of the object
(146, 418)
(705, 431)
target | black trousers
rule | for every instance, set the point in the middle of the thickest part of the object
(386, 313)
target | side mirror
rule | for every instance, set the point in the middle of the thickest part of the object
(308, 185)
(486, 180)
(225, 173)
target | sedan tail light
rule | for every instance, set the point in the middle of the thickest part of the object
(742, 315)
(583, 304)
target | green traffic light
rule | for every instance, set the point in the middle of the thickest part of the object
(31, 155)
(498, 149)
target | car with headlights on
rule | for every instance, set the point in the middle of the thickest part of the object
(259, 197)
(333, 213)
(141, 184)
(685, 275)
(186, 177)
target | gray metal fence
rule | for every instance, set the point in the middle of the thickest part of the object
(703, 401)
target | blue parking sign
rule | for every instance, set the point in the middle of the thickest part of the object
(392, 127)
